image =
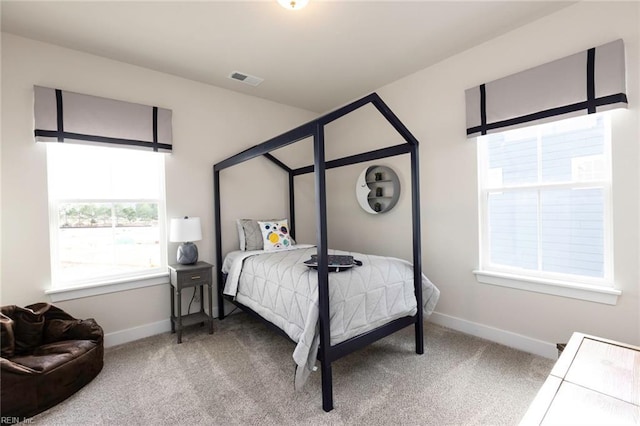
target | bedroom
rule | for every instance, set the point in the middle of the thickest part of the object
(211, 124)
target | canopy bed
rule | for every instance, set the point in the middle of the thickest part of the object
(329, 347)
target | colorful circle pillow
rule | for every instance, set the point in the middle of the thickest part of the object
(275, 234)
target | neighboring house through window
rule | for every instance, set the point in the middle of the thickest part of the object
(545, 203)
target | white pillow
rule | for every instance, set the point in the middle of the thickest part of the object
(275, 234)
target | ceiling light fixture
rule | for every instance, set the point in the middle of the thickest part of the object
(293, 4)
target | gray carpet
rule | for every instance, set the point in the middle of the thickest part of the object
(243, 374)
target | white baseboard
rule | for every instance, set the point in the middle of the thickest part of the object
(140, 332)
(135, 333)
(507, 338)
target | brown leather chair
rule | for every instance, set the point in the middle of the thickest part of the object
(47, 356)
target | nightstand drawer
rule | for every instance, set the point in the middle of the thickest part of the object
(202, 276)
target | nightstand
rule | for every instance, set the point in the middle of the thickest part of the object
(186, 276)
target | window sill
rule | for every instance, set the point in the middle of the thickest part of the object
(591, 293)
(77, 292)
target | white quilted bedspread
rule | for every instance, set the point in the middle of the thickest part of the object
(283, 290)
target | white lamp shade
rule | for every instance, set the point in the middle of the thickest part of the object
(185, 230)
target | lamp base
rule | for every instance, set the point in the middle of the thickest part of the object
(187, 254)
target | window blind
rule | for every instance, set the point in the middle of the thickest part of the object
(62, 116)
(584, 83)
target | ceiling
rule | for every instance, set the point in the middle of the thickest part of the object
(317, 58)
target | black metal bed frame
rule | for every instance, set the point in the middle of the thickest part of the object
(315, 128)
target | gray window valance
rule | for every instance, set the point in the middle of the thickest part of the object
(62, 116)
(587, 82)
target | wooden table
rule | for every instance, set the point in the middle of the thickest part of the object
(185, 276)
(595, 382)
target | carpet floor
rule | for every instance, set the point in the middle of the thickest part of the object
(243, 374)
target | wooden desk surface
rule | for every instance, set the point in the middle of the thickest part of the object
(595, 382)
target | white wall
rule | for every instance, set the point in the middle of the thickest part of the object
(431, 104)
(209, 124)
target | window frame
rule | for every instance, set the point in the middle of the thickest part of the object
(594, 289)
(107, 283)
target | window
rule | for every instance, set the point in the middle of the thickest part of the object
(107, 220)
(545, 202)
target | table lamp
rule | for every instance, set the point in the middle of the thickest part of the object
(186, 231)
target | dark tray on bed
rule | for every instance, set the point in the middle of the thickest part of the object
(336, 262)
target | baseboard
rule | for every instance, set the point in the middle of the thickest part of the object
(140, 332)
(507, 338)
(135, 333)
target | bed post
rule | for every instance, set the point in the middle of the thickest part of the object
(323, 270)
(292, 203)
(415, 215)
(417, 243)
(216, 213)
(292, 206)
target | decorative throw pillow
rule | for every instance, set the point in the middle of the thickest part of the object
(275, 234)
(250, 234)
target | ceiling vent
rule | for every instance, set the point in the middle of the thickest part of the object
(246, 78)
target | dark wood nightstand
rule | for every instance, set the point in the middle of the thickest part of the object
(185, 276)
